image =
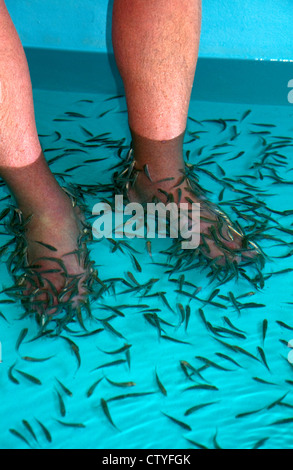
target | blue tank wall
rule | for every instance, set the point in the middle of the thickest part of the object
(242, 29)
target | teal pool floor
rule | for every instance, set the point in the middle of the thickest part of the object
(217, 378)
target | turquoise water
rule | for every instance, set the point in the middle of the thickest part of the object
(232, 389)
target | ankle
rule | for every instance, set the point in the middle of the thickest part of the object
(162, 157)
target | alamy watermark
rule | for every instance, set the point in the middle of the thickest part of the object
(154, 220)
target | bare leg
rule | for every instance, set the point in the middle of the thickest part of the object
(156, 46)
(22, 164)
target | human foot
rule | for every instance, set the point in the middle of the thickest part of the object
(55, 259)
(220, 240)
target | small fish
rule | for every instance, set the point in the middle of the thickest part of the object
(53, 149)
(263, 357)
(110, 364)
(236, 348)
(284, 325)
(3, 316)
(236, 156)
(109, 327)
(121, 384)
(85, 101)
(120, 350)
(65, 389)
(264, 329)
(211, 363)
(50, 247)
(137, 265)
(195, 408)
(234, 302)
(147, 173)
(202, 387)
(21, 337)
(196, 444)
(260, 443)
(182, 312)
(202, 316)
(181, 281)
(165, 301)
(262, 381)
(71, 425)
(188, 294)
(80, 318)
(36, 359)
(30, 429)
(283, 421)
(4, 213)
(263, 125)
(248, 413)
(11, 376)
(290, 382)
(217, 121)
(127, 355)
(129, 395)
(105, 112)
(260, 132)
(216, 444)
(93, 387)
(161, 386)
(187, 317)
(41, 334)
(74, 114)
(221, 195)
(228, 321)
(245, 115)
(224, 356)
(94, 160)
(195, 120)
(45, 431)
(74, 348)
(73, 168)
(58, 136)
(217, 330)
(61, 404)
(131, 276)
(286, 405)
(114, 97)
(177, 421)
(86, 131)
(277, 402)
(252, 305)
(185, 366)
(234, 133)
(105, 408)
(153, 320)
(29, 377)
(90, 333)
(169, 338)
(55, 260)
(62, 120)
(221, 169)
(19, 436)
(55, 159)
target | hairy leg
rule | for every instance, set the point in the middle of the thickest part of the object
(156, 47)
(22, 163)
